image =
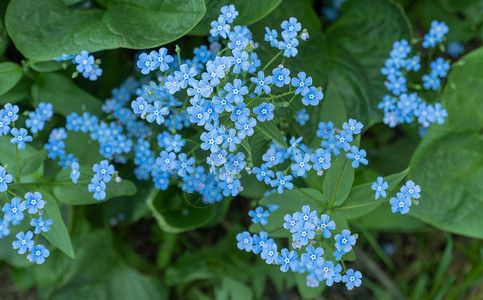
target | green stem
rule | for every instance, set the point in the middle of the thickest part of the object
(14, 194)
(357, 205)
(271, 61)
(331, 203)
(18, 166)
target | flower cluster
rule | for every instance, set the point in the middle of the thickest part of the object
(404, 199)
(14, 214)
(404, 106)
(310, 242)
(85, 63)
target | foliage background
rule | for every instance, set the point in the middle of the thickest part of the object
(438, 248)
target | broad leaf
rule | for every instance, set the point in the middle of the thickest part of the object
(10, 74)
(136, 24)
(448, 164)
(33, 163)
(249, 12)
(361, 199)
(339, 177)
(65, 96)
(77, 194)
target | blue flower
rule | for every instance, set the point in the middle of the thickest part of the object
(34, 202)
(237, 42)
(321, 159)
(411, 190)
(14, 210)
(220, 28)
(38, 254)
(357, 156)
(400, 203)
(302, 83)
(98, 188)
(156, 112)
(230, 140)
(4, 231)
(4, 179)
(235, 91)
(213, 73)
(263, 173)
(259, 215)
(344, 241)
(380, 186)
(290, 223)
(272, 157)
(302, 116)
(326, 225)
(304, 231)
(4, 122)
(431, 81)
(438, 29)
(396, 84)
(84, 61)
(245, 127)
(400, 49)
(10, 111)
(306, 215)
(41, 225)
(245, 241)
(264, 112)
(282, 182)
(301, 164)
(185, 75)
(291, 27)
(211, 140)
(439, 113)
(313, 257)
(20, 137)
(454, 49)
(352, 279)
(313, 96)
(172, 84)
(160, 59)
(260, 242)
(185, 165)
(228, 13)
(287, 260)
(413, 64)
(103, 171)
(166, 161)
(240, 61)
(74, 173)
(289, 46)
(439, 67)
(34, 122)
(24, 242)
(139, 106)
(281, 76)
(94, 73)
(269, 252)
(326, 130)
(352, 126)
(262, 83)
(343, 140)
(429, 40)
(271, 36)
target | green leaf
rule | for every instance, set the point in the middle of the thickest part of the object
(305, 291)
(351, 53)
(249, 12)
(83, 148)
(77, 194)
(101, 272)
(3, 38)
(33, 163)
(361, 198)
(136, 24)
(177, 212)
(448, 164)
(10, 74)
(233, 290)
(289, 202)
(339, 177)
(58, 234)
(65, 96)
(270, 130)
(8, 157)
(19, 92)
